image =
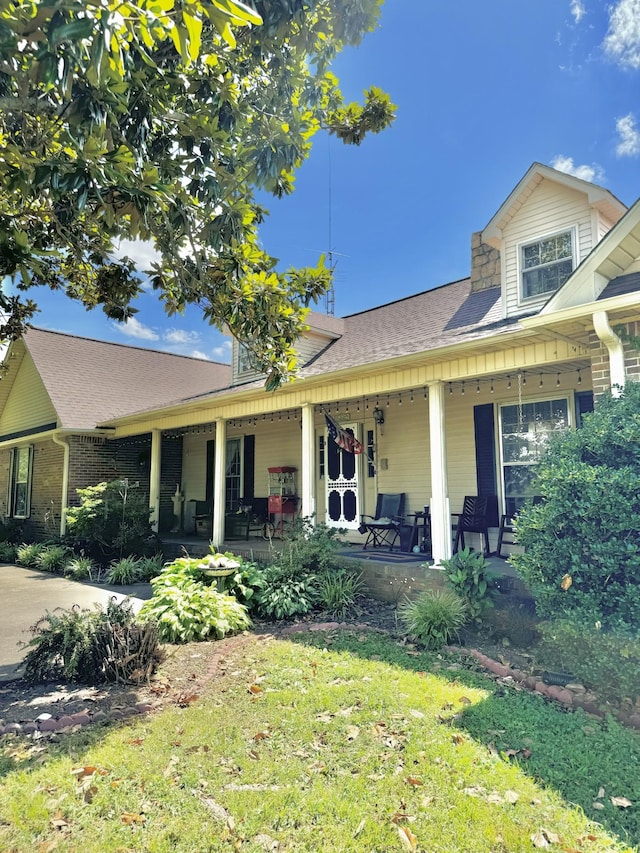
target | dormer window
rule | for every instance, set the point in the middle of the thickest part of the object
(247, 362)
(546, 264)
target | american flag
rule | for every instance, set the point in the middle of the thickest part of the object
(342, 437)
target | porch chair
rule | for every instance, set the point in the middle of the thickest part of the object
(383, 528)
(472, 519)
(202, 519)
(508, 528)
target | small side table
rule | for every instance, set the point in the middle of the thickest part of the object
(421, 535)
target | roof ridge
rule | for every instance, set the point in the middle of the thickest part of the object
(129, 346)
(405, 298)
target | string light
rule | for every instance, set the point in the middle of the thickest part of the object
(541, 382)
(492, 385)
(400, 399)
(451, 388)
(557, 380)
(477, 386)
(579, 377)
(508, 382)
(462, 388)
(411, 397)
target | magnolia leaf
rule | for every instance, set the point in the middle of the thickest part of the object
(132, 818)
(539, 839)
(407, 838)
(566, 582)
(621, 802)
(352, 732)
(511, 797)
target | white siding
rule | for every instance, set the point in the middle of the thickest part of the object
(548, 209)
(28, 404)
(405, 446)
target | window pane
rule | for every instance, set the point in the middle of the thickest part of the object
(546, 265)
(19, 488)
(523, 442)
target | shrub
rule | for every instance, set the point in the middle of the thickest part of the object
(11, 531)
(469, 577)
(607, 662)
(338, 590)
(81, 568)
(92, 646)
(288, 591)
(186, 607)
(311, 547)
(7, 552)
(124, 571)
(27, 554)
(111, 521)
(52, 558)
(434, 618)
(582, 543)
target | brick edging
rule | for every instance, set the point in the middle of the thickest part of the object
(566, 697)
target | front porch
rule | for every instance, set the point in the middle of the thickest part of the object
(387, 575)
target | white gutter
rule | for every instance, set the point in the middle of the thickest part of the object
(616, 351)
(62, 442)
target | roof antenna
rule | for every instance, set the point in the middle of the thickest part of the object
(330, 295)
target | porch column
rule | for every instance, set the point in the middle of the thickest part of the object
(154, 478)
(308, 473)
(440, 512)
(219, 482)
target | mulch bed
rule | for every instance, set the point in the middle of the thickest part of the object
(186, 670)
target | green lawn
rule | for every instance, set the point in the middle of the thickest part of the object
(354, 744)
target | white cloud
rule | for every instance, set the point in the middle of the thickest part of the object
(629, 144)
(181, 336)
(578, 10)
(586, 173)
(622, 41)
(197, 353)
(135, 329)
(141, 253)
(223, 352)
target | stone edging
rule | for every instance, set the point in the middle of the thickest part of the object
(563, 695)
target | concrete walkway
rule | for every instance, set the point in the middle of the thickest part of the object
(26, 595)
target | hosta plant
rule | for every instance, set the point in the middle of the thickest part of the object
(287, 592)
(434, 618)
(186, 607)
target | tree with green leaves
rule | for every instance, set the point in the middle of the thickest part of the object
(159, 121)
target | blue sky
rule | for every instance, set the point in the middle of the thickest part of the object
(482, 90)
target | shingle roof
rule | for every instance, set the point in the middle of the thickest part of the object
(90, 382)
(447, 315)
(620, 285)
(426, 321)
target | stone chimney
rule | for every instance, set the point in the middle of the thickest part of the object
(485, 264)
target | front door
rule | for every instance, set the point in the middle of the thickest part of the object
(342, 485)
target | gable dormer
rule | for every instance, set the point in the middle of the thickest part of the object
(545, 228)
(323, 330)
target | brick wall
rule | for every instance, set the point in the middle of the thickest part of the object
(600, 372)
(46, 490)
(95, 460)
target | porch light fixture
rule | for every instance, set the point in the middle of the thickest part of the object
(378, 416)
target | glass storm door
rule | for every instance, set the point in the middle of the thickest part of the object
(342, 485)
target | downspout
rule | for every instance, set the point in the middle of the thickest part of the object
(57, 439)
(616, 351)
